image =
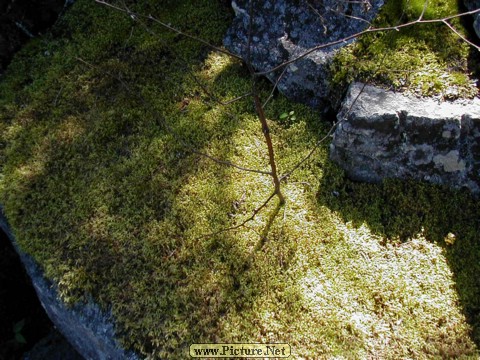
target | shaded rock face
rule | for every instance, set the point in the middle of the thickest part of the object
(284, 29)
(89, 329)
(22, 19)
(473, 5)
(382, 134)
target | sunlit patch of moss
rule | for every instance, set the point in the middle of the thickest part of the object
(425, 59)
(101, 186)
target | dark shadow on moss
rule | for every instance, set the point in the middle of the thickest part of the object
(399, 210)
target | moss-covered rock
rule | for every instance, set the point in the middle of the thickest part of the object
(424, 59)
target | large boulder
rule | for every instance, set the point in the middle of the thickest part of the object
(285, 29)
(474, 5)
(382, 134)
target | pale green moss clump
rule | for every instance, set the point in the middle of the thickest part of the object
(97, 121)
(425, 59)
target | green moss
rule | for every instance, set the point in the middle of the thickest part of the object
(100, 186)
(426, 59)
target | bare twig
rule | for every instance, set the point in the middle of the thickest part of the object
(244, 222)
(320, 142)
(368, 31)
(271, 154)
(274, 87)
(327, 8)
(460, 35)
(169, 130)
(167, 26)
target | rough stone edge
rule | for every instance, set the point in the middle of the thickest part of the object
(363, 171)
(88, 329)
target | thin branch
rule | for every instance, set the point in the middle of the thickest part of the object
(243, 223)
(368, 31)
(425, 4)
(187, 68)
(271, 153)
(169, 130)
(332, 128)
(274, 87)
(134, 15)
(327, 8)
(319, 142)
(461, 36)
(236, 99)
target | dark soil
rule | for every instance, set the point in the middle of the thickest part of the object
(21, 19)
(24, 325)
(18, 304)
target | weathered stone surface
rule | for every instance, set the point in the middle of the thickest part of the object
(474, 5)
(284, 29)
(382, 134)
(89, 329)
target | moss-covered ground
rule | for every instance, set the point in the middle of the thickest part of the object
(98, 120)
(423, 59)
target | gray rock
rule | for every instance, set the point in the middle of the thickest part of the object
(474, 5)
(382, 134)
(88, 329)
(284, 29)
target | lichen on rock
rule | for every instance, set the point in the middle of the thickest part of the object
(382, 134)
(283, 30)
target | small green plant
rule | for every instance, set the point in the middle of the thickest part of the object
(287, 117)
(17, 332)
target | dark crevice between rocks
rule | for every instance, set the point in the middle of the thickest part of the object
(21, 20)
(474, 55)
(26, 332)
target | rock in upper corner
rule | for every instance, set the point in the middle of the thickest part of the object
(285, 29)
(474, 5)
(382, 134)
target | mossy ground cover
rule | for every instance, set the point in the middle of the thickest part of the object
(100, 186)
(424, 59)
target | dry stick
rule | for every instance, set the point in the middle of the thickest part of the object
(261, 113)
(187, 68)
(202, 86)
(258, 105)
(244, 222)
(327, 8)
(369, 30)
(273, 173)
(271, 153)
(319, 142)
(460, 35)
(275, 87)
(321, 18)
(134, 15)
(335, 125)
(170, 130)
(266, 132)
(207, 92)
